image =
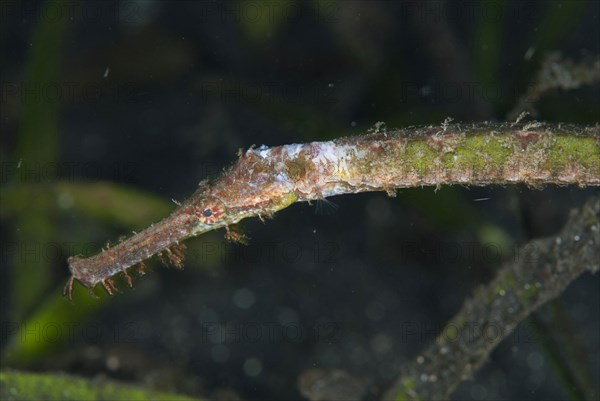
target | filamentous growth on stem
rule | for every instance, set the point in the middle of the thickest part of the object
(265, 180)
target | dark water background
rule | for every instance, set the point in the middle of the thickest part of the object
(155, 96)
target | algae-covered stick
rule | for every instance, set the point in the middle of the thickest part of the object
(265, 180)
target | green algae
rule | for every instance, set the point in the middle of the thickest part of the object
(49, 387)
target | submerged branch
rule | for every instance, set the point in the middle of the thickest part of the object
(541, 270)
(266, 180)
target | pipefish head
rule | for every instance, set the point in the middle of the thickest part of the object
(211, 211)
(223, 208)
(205, 213)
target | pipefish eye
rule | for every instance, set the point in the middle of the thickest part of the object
(211, 211)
